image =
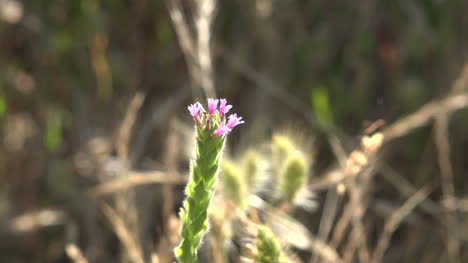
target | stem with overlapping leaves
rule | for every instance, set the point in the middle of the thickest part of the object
(212, 128)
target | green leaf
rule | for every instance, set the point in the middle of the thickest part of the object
(54, 132)
(63, 41)
(321, 106)
(3, 106)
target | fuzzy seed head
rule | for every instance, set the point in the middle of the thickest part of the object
(268, 249)
(251, 165)
(293, 176)
(282, 146)
(234, 186)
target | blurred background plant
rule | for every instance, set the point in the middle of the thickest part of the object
(95, 136)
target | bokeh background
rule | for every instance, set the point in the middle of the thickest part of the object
(95, 135)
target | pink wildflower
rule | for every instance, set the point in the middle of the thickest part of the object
(216, 122)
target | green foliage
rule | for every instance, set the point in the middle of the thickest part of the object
(234, 184)
(199, 191)
(321, 106)
(268, 247)
(63, 41)
(3, 106)
(293, 175)
(53, 138)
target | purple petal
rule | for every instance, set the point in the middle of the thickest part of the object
(233, 121)
(222, 129)
(212, 105)
(223, 108)
(195, 109)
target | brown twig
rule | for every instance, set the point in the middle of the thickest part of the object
(123, 233)
(328, 217)
(407, 189)
(331, 203)
(352, 245)
(125, 201)
(448, 189)
(394, 220)
(462, 81)
(424, 115)
(359, 161)
(340, 227)
(74, 253)
(122, 140)
(32, 221)
(203, 21)
(456, 204)
(196, 46)
(71, 248)
(358, 235)
(101, 65)
(136, 179)
(166, 243)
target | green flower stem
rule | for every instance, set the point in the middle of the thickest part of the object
(200, 189)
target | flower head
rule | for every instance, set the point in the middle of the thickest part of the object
(223, 108)
(195, 109)
(216, 123)
(212, 105)
(222, 129)
(234, 121)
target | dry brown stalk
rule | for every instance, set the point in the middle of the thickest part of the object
(351, 246)
(75, 254)
(340, 227)
(101, 65)
(358, 235)
(351, 166)
(407, 189)
(71, 248)
(154, 258)
(124, 133)
(167, 243)
(125, 200)
(328, 217)
(456, 204)
(32, 221)
(182, 28)
(203, 21)
(448, 189)
(186, 40)
(196, 46)
(123, 233)
(424, 115)
(393, 222)
(462, 81)
(136, 179)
